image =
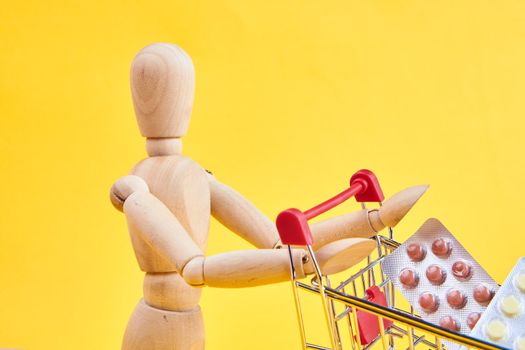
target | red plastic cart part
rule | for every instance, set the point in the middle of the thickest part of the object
(372, 191)
(292, 224)
(367, 323)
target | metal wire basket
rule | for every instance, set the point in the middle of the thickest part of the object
(364, 303)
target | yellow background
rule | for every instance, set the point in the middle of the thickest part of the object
(292, 97)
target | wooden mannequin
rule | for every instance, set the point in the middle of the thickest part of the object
(168, 199)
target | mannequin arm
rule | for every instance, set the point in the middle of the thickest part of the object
(355, 224)
(245, 268)
(366, 223)
(239, 215)
(155, 224)
(152, 222)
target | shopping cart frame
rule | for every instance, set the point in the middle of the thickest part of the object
(294, 230)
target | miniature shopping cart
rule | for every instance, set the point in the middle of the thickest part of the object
(365, 303)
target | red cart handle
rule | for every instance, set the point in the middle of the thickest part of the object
(292, 223)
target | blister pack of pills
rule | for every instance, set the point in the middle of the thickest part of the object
(503, 323)
(440, 279)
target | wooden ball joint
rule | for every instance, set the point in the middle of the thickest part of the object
(168, 199)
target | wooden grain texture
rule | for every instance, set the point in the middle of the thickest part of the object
(355, 224)
(367, 222)
(238, 214)
(155, 329)
(343, 254)
(396, 207)
(194, 272)
(150, 221)
(162, 87)
(168, 227)
(124, 187)
(163, 146)
(169, 224)
(246, 268)
(169, 291)
(182, 186)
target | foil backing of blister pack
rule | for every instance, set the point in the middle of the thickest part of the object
(399, 260)
(512, 317)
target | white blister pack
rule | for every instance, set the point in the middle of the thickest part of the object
(503, 323)
(440, 279)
